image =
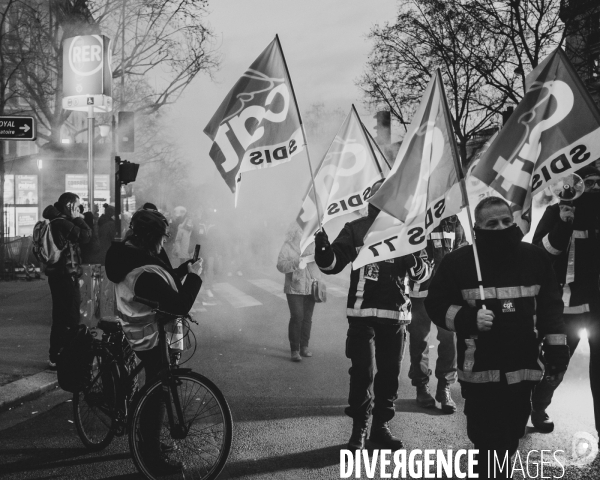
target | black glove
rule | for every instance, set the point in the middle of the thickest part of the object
(321, 241)
(556, 358)
(324, 255)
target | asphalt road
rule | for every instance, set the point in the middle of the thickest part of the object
(288, 417)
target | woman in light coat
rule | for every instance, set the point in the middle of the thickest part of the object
(300, 271)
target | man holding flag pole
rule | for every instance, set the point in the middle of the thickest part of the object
(497, 344)
(555, 131)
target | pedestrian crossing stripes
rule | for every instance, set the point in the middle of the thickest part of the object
(235, 297)
(238, 299)
(270, 286)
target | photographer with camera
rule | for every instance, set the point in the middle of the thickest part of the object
(69, 231)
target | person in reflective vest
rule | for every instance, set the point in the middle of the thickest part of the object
(499, 337)
(569, 232)
(378, 311)
(446, 237)
(136, 267)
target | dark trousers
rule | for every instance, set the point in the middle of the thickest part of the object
(497, 415)
(301, 310)
(154, 413)
(418, 347)
(65, 309)
(372, 344)
(542, 396)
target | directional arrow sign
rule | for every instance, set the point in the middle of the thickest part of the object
(17, 128)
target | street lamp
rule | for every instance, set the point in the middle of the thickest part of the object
(104, 130)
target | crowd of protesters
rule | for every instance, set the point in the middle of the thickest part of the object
(536, 297)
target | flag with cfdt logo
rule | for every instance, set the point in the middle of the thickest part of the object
(423, 187)
(343, 179)
(554, 131)
(258, 124)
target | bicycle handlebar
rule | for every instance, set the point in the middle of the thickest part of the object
(145, 301)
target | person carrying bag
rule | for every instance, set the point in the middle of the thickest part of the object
(303, 288)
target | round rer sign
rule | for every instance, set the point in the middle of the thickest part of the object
(87, 76)
(85, 55)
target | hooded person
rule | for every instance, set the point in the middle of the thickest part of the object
(69, 232)
(568, 232)
(135, 267)
(378, 311)
(498, 338)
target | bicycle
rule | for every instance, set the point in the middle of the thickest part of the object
(194, 436)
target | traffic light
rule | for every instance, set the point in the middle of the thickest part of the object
(126, 132)
(128, 172)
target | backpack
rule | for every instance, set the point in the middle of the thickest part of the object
(44, 247)
(74, 361)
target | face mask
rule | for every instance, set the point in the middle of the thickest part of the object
(499, 240)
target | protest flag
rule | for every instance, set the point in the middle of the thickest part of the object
(554, 131)
(343, 179)
(423, 187)
(258, 124)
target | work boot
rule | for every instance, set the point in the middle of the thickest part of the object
(541, 421)
(296, 356)
(305, 352)
(381, 434)
(359, 435)
(443, 396)
(424, 398)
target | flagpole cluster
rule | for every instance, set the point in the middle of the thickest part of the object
(312, 175)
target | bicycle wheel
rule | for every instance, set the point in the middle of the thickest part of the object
(201, 453)
(94, 407)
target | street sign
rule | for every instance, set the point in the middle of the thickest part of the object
(17, 128)
(87, 76)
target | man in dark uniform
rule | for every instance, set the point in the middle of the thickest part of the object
(446, 237)
(378, 312)
(498, 338)
(569, 232)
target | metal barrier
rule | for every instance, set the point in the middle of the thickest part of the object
(19, 260)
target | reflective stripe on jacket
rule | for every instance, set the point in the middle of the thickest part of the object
(522, 291)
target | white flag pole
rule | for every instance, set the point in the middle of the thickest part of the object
(312, 176)
(463, 187)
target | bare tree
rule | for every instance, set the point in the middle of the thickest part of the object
(11, 62)
(167, 41)
(426, 35)
(530, 29)
(159, 47)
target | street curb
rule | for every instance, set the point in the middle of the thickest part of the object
(26, 388)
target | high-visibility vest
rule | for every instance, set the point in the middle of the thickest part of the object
(138, 321)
